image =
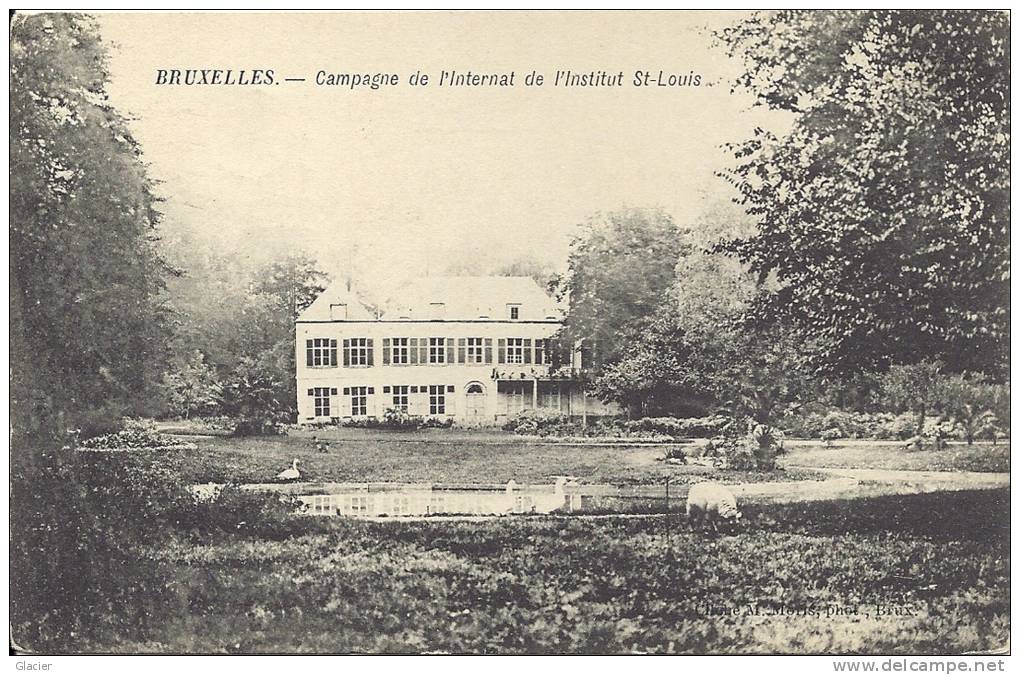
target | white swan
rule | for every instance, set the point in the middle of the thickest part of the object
(290, 474)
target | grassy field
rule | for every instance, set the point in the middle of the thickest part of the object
(494, 457)
(442, 456)
(871, 455)
(924, 573)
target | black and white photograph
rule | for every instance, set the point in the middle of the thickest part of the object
(510, 332)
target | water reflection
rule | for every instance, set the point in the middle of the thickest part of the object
(420, 502)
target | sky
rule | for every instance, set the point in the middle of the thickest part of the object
(406, 181)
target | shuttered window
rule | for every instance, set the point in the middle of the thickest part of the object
(437, 399)
(514, 350)
(473, 350)
(320, 399)
(357, 352)
(399, 351)
(359, 401)
(400, 398)
(437, 350)
(320, 353)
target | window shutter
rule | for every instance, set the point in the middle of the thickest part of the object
(539, 351)
(332, 353)
(347, 353)
(527, 350)
(423, 354)
(386, 351)
(450, 351)
(332, 391)
(347, 391)
(502, 350)
(414, 389)
(311, 392)
(488, 350)
(461, 350)
(386, 389)
(371, 390)
(308, 352)
(412, 348)
(449, 388)
(371, 348)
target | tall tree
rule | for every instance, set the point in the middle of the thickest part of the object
(884, 211)
(620, 267)
(87, 325)
(279, 292)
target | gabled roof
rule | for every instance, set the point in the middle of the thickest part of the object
(447, 299)
(470, 299)
(337, 302)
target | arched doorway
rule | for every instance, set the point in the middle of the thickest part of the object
(474, 409)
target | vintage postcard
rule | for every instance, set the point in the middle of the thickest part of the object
(511, 333)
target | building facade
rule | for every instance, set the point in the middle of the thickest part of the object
(473, 349)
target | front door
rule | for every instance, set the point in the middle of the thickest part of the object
(474, 414)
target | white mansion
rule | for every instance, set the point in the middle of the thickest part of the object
(474, 349)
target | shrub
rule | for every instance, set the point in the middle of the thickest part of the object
(547, 423)
(676, 452)
(136, 434)
(268, 515)
(751, 450)
(437, 423)
(541, 423)
(682, 427)
(830, 435)
(89, 515)
(370, 422)
(896, 427)
(400, 420)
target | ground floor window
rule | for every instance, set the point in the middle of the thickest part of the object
(359, 401)
(517, 396)
(437, 399)
(400, 398)
(320, 398)
(550, 396)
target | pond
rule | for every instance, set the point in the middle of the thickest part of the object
(369, 501)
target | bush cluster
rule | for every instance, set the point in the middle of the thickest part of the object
(86, 534)
(545, 423)
(743, 446)
(136, 434)
(835, 424)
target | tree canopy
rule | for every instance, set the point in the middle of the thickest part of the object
(619, 269)
(87, 324)
(884, 211)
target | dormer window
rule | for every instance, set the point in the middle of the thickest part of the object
(338, 312)
(514, 312)
(437, 311)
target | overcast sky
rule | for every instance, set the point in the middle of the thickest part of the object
(417, 178)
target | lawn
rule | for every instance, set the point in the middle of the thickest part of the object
(895, 575)
(460, 456)
(887, 455)
(442, 456)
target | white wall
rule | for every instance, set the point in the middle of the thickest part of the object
(378, 375)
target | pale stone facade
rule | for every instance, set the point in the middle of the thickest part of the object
(469, 348)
